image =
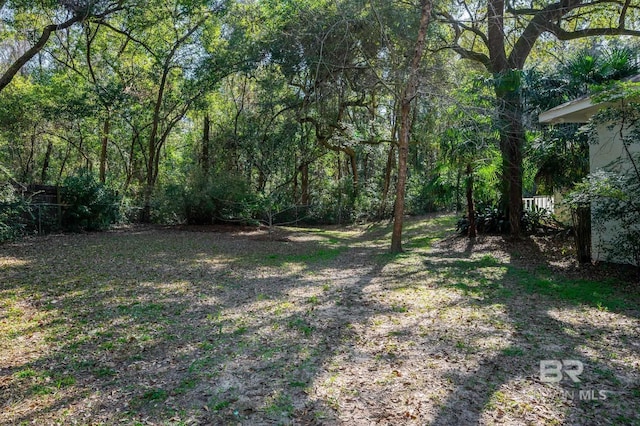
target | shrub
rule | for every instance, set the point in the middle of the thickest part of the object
(535, 219)
(90, 205)
(12, 213)
(613, 197)
(489, 220)
(207, 200)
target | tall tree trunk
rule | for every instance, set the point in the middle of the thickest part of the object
(26, 170)
(511, 144)
(64, 163)
(387, 181)
(132, 162)
(582, 232)
(103, 150)
(365, 167)
(206, 140)
(294, 191)
(354, 170)
(304, 184)
(458, 202)
(46, 162)
(153, 145)
(471, 211)
(410, 92)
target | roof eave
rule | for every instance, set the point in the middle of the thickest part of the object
(577, 111)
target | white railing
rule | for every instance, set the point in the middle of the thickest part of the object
(541, 201)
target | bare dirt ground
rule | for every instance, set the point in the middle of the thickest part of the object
(165, 326)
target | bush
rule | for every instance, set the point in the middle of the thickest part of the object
(535, 219)
(90, 205)
(334, 204)
(489, 220)
(12, 214)
(613, 197)
(207, 200)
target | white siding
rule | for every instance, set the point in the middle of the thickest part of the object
(602, 155)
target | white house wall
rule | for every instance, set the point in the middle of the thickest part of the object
(603, 155)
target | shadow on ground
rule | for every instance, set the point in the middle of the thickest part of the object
(321, 327)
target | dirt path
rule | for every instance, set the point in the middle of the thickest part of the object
(318, 326)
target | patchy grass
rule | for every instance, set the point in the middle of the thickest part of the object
(321, 326)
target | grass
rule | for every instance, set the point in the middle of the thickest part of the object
(318, 256)
(180, 327)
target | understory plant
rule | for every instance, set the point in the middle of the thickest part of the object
(89, 204)
(12, 213)
(614, 192)
(490, 219)
(207, 199)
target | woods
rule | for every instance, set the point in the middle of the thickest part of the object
(208, 111)
(319, 212)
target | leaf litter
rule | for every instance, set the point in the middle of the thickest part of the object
(210, 325)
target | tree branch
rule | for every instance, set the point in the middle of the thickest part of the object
(564, 35)
(8, 75)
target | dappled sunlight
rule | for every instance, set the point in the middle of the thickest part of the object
(519, 401)
(9, 262)
(324, 327)
(590, 318)
(607, 338)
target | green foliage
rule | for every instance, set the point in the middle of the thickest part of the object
(560, 153)
(491, 220)
(535, 218)
(12, 213)
(341, 202)
(613, 193)
(207, 200)
(90, 205)
(335, 204)
(614, 198)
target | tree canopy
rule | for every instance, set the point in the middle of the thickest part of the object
(302, 111)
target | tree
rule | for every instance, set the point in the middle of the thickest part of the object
(180, 54)
(408, 98)
(470, 144)
(501, 36)
(73, 12)
(560, 153)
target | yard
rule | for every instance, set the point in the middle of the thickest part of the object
(152, 325)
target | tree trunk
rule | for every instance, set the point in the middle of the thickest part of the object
(46, 162)
(17, 65)
(103, 150)
(26, 170)
(403, 151)
(458, 201)
(387, 181)
(365, 167)
(354, 170)
(511, 144)
(409, 93)
(304, 184)
(206, 139)
(153, 144)
(64, 163)
(471, 211)
(582, 231)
